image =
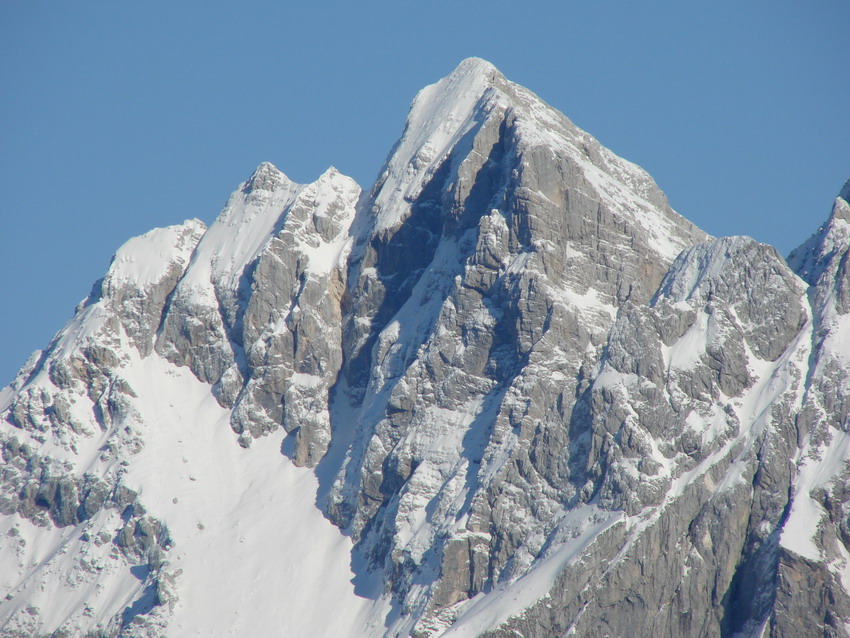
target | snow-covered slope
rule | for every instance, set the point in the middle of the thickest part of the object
(508, 391)
(205, 541)
(125, 481)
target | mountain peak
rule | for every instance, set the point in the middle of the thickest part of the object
(494, 416)
(266, 177)
(843, 211)
(446, 117)
(472, 77)
(480, 68)
(811, 259)
(440, 115)
(332, 174)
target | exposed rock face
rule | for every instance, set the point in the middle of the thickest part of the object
(292, 320)
(537, 400)
(257, 313)
(728, 459)
(269, 273)
(467, 354)
(690, 436)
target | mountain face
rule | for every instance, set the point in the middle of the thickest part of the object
(507, 391)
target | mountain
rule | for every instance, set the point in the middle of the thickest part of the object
(506, 391)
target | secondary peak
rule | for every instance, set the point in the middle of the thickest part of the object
(477, 67)
(266, 177)
(845, 192)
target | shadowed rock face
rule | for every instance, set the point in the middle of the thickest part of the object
(528, 235)
(537, 400)
(257, 312)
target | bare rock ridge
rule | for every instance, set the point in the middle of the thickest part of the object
(463, 358)
(506, 391)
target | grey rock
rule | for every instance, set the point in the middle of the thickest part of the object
(265, 329)
(522, 262)
(293, 320)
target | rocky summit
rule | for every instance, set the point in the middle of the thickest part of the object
(507, 391)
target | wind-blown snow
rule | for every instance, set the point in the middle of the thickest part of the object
(33, 560)
(440, 115)
(242, 229)
(144, 259)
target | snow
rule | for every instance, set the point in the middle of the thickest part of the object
(305, 380)
(269, 205)
(487, 611)
(441, 114)
(773, 379)
(834, 330)
(816, 256)
(698, 266)
(252, 552)
(243, 228)
(623, 186)
(444, 113)
(40, 567)
(332, 189)
(837, 342)
(144, 259)
(588, 303)
(438, 441)
(255, 554)
(623, 198)
(688, 350)
(817, 468)
(609, 378)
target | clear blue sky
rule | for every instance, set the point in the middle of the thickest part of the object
(117, 117)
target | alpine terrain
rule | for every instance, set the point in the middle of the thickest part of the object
(507, 391)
